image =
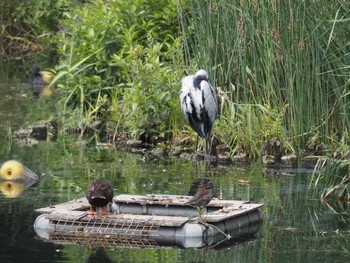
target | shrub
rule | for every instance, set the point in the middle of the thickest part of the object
(121, 62)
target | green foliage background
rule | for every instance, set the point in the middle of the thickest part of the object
(281, 69)
(120, 63)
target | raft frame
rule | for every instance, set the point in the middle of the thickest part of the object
(149, 221)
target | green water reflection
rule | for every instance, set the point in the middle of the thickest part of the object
(297, 227)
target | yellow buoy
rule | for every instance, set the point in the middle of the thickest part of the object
(11, 189)
(12, 170)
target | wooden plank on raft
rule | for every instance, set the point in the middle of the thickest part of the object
(172, 200)
(80, 204)
(231, 212)
(74, 209)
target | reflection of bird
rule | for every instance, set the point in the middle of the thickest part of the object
(40, 82)
(198, 104)
(99, 194)
(100, 255)
(202, 197)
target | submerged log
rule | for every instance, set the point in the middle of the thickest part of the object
(41, 131)
(290, 160)
(241, 158)
(134, 144)
(223, 153)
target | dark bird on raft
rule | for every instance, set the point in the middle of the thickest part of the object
(203, 196)
(99, 194)
(198, 104)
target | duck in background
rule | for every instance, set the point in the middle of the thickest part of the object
(100, 255)
(40, 81)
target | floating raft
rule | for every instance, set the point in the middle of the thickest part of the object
(149, 221)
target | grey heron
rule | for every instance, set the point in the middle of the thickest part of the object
(198, 104)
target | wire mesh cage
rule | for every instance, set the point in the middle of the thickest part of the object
(105, 231)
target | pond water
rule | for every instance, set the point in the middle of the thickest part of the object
(297, 226)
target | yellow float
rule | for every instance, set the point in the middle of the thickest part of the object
(11, 189)
(15, 178)
(12, 170)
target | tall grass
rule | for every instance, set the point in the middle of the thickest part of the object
(291, 55)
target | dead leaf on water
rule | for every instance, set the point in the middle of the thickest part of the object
(289, 228)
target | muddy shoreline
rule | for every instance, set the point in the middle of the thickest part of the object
(272, 150)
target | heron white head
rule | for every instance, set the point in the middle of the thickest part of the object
(201, 72)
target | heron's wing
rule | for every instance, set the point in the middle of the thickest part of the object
(209, 100)
(209, 105)
(195, 117)
(192, 105)
(185, 100)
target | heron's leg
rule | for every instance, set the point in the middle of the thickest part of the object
(207, 144)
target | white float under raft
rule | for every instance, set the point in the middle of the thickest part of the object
(150, 221)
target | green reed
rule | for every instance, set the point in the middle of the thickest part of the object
(290, 55)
